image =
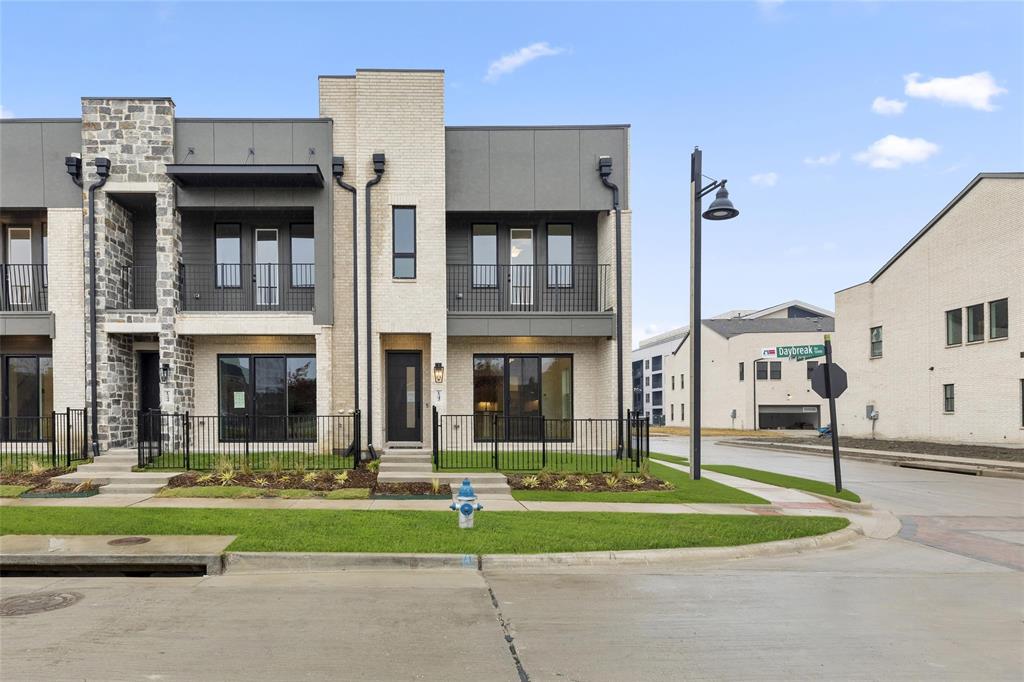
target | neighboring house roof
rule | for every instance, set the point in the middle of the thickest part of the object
(663, 337)
(767, 325)
(789, 304)
(971, 185)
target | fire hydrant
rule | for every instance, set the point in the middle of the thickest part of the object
(466, 504)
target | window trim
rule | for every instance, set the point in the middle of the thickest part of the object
(871, 342)
(949, 399)
(291, 256)
(505, 384)
(946, 320)
(395, 254)
(773, 365)
(572, 256)
(472, 257)
(967, 320)
(250, 396)
(991, 319)
(757, 365)
(742, 372)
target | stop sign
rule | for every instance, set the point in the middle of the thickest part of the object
(836, 375)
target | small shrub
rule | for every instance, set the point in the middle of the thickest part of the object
(35, 467)
(668, 485)
(617, 469)
(530, 481)
(309, 477)
(83, 486)
(246, 468)
(561, 484)
(435, 485)
(636, 481)
(275, 466)
(611, 480)
(260, 482)
(204, 478)
(341, 479)
(373, 465)
(226, 476)
(583, 483)
(224, 464)
(8, 468)
(645, 468)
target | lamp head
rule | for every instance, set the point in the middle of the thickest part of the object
(73, 165)
(378, 163)
(338, 166)
(102, 167)
(604, 166)
(721, 208)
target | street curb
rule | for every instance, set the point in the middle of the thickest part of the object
(297, 562)
(896, 459)
(841, 503)
(213, 564)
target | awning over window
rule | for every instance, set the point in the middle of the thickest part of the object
(246, 175)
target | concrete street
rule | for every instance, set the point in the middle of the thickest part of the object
(942, 600)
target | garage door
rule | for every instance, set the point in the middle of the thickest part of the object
(788, 416)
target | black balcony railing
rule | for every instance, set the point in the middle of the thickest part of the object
(54, 440)
(138, 288)
(247, 287)
(513, 443)
(529, 288)
(25, 288)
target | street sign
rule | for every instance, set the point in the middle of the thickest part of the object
(837, 379)
(804, 352)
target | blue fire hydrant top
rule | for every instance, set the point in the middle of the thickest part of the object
(467, 489)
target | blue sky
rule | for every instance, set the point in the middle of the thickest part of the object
(780, 95)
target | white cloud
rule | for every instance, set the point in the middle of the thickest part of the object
(823, 160)
(892, 151)
(888, 107)
(765, 179)
(975, 91)
(521, 57)
(5, 112)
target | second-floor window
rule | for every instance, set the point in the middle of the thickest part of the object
(775, 370)
(948, 398)
(741, 371)
(302, 255)
(975, 323)
(485, 255)
(559, 255)
(760, 370)
(998, 319)
(229, 254)
(403, 242)
(673, 382)
(876, 342)
(656, 363)
(657, 381)
(954, 327)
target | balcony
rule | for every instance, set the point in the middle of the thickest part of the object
(25, 288)
(247, 287)
(529, 288)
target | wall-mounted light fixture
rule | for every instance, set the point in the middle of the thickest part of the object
(438, 373)
(102, 167)
(73, 164)
(165, 373)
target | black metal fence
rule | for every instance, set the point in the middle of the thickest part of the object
(58, 439)
(496, 442)
(138, 288)
(188, 441)
(247, 286)
(529, 288)
(25, 287)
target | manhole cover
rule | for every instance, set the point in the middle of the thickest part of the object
(128, 541)
(38, 602)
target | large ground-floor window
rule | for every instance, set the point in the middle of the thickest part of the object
(512, 392)
(27, 397)
(267, 397)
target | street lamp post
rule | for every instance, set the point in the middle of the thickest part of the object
(721, 209)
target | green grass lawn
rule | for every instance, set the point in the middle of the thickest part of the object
(258, 461)
(671, 458)
(242, 492)
(781, 480)
(287, 530)
(686, 490)
(12, 490)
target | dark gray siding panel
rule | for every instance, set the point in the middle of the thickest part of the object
(544, 168)
(60, 139)
(32, 170)
(144, 241)
(272, 142)
(467, 160)
(511, 164)
(231, 141)
(197, 135)
(558, 169)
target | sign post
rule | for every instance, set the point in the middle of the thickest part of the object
(829, 381)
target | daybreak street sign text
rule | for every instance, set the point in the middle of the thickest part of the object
(810, 350)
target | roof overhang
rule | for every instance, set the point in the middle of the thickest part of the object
(238, 175)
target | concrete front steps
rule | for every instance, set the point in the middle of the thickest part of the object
(407, 465)
(112, 471)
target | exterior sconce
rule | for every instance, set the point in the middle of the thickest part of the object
(165, 373)
(73, 165)
(102, 167)
(438, 373)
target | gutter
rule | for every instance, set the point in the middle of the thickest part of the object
(378, 169)
(338, 170)
(604, 168)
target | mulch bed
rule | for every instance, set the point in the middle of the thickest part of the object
(55, 488)
(592, 483)
(319, 481)
(917, 447)
(31, 479)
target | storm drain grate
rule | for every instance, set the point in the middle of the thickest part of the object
(121, 542)
(37, 602)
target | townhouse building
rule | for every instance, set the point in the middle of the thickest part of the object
(649, 373)
(933, 342)
(276, 275)
(742, 389)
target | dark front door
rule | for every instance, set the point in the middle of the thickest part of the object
(404, 396)
(149, 394)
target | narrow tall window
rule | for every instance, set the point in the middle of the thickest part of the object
(811, 364)
(682, 384)
(975, 323)
(656, 378)
(673, 382)
(948, 403)
(998, 319)
(741, 371)
(682, 412)
(876, 342)
(403, 242)
(559, 255)
(656, 363)
(302, 255)
(485, 255)
(776, 370)
(672, 412)
(228, 254)
(760, 370)
(954, 327)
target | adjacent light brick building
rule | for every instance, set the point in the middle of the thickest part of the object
(933, 343)
(234, 279)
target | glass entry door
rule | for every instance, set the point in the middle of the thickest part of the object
(266, 264)
(19, 270)
(404, 397)
(522, 409)
(27, 397)
(521, 262)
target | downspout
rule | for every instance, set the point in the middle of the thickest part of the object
(378, 170)
(103, 171)
(604, 167)
(338, 169)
